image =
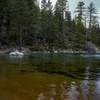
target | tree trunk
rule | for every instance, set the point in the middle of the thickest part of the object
(20, 38)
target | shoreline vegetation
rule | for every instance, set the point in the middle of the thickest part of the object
(40, 49)
(25, 26)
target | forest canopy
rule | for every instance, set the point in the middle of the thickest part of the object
(24, 23)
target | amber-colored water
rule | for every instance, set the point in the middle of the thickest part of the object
(50, 77)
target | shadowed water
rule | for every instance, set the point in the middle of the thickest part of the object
(50, 77)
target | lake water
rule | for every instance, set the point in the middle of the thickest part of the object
(50, 77)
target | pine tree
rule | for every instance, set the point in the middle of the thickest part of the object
(91, 14)
(34, 24)
(24, 20)
(47, 23)
(95, 31)
(79, 37)
(60, 10)
(50, 26)
(80, 12)
(68, 26)
(4, 21)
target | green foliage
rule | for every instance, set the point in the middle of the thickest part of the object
(91, 15)
(23, 23)
(60, 10)
(80, 33)
(38, 48)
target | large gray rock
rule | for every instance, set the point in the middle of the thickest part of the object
(91, 48)
(26, 51)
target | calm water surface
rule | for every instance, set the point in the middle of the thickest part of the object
(50, 77)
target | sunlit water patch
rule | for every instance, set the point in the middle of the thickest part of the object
(90, 55)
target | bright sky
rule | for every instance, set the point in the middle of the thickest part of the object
(73, 4)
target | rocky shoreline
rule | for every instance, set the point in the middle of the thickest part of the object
(28, 51)
(89, 48)
(7, 51)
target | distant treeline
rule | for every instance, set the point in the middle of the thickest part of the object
(24, 23)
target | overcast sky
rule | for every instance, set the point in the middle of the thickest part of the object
(73, 4)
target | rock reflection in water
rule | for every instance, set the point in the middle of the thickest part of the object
(41, 96)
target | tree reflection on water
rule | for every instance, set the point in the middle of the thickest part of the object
(49, 77)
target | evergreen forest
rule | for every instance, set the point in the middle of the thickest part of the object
(26, 23)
